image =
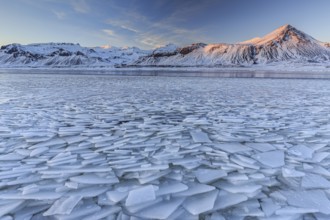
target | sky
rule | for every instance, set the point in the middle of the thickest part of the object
(152, 23)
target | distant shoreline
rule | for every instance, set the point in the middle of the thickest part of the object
(242, 72)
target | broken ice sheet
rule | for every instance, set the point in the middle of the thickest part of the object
(9, 207)
(226, 199)
(112, 143)
(38, 151)
(313, 181)
(161, 210)
(200, 137)
(63, 206)
(209, 175)
(263, 147)
(116, 196)
(320, 156)
(269, 206)
(200, 203)
(301, 151)
(171, 187)
(94, 179)
(271, 159)
(269, 138)
(45, 195)
(293, 210)
(232, 147)
(141, 195)
(291, 172)
(195, 188)
(312, 199)
(11, 157)
(239, 188)
(105, 212)
(32, 188)
(83, 209)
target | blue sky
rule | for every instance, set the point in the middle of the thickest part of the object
(151, 23)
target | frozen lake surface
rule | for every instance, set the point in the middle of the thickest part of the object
(128, 147)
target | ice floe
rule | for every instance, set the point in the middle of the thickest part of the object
(271, 159)
(121, 148)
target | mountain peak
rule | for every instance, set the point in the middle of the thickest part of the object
(287, 26)
(281, 34)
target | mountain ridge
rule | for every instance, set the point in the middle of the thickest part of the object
(281, 34)
(285, 45)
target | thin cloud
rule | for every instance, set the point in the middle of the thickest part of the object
(59, 14)
(80, 6)
(109, 32)
(123, 25)
(150, 33)
(129, 28)
(152, 40)
(157, 33)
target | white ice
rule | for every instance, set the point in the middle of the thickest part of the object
(271, 159)
(141, 195)
(209, 175)
(135, 148)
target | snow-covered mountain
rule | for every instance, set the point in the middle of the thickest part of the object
(66, 55)
(285, 45)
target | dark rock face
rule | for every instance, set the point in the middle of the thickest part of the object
(191, 48)
(79, 53)
(13, 50)
(65, 53)
(163, 54)
(166, 54)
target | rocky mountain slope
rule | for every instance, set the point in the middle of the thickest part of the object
(66, 55)
(285, 45)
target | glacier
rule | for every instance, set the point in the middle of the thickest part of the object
(125, 147)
